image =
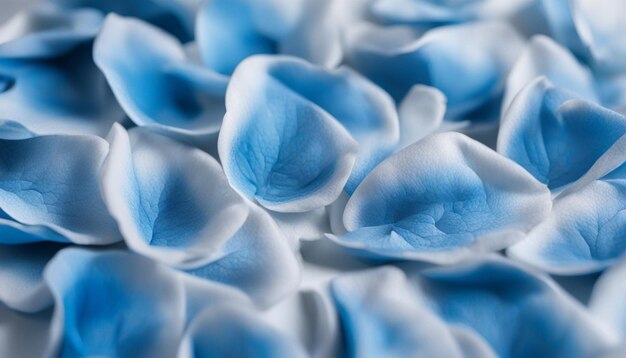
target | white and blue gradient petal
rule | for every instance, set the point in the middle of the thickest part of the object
(171, 202)
(294, 134)
(47, 31)
(241, 333)
(120, 304)
(421, 113)
(50, 190)
(396, 58)
(155, 82)
(173, 16)
(443, 199)
(607, 299)
(554, 135)
(258, 260)
(384, 316)
(544, 57)
(584, 232)
(66, 94)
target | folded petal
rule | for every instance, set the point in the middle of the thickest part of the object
(49, 188)
(120, 304)
(442, 199)
(241, 333)
(173, 16)
(258, 260)
(554, 136)
(47, 31)
(66, 94)
(171, 202)
(544, 57)
(155, 83)
(397, 58)
(292, 131)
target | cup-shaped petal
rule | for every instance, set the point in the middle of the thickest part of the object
(172, 202)
(442, 199)
(154, 81)
(292, 131)
(554, 136)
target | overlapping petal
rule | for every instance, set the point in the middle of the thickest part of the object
(154, 81)
(421, 113)
(555, 136)
(49, 190)
(607, 299)
(295, 134)
(120, 304)
(47, 31)
(66, 94)
(396, 58)
(442, 199)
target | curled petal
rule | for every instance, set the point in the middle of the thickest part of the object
(544, 57)
(173, 16)
(607, 299)
(120, 304)
(555, 137)
(442, 199)
(421, 113)
(258, 260)
(66, 94)
(292, 132)
(397, 58)
(54, 197)
(154, 81)
(171, 202)
(241, 333)
(47, 31)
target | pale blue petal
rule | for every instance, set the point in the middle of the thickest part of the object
(544, 57)
(49, 188)
(292, 131)
(120, 304)
(62, 95)
(241, 333)
(442, 199)
(173, 16)
(421, 113)
(562, 25)
(258, 259)
(172, 202)
(607, 299)
(47, 31)
(439, 58)
(154, 81)
(23, 335)
(555, 137)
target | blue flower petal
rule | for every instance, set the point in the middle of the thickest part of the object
(173, 16)
(171, 202)
(257, 259)
(120, 304)
(544, 57)
(555, 137)
(421, 113)
(607, 299)
(24, 335)
(51, 193)
(154, 81)
(47, 31)
(292, 131)
(442, 199)
(61, 95)
(398, 58)
(241, 333)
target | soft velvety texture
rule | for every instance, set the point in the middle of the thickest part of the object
(293, 132)
(49, 190)
(607, 299)
(47, 31)
(120, 304)
(397, 58)
(171, 202)
(555, 136)
(173, 16)
(66, 94)
(155, 82)
(241, 333)
(443, 199)
(421, 113)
